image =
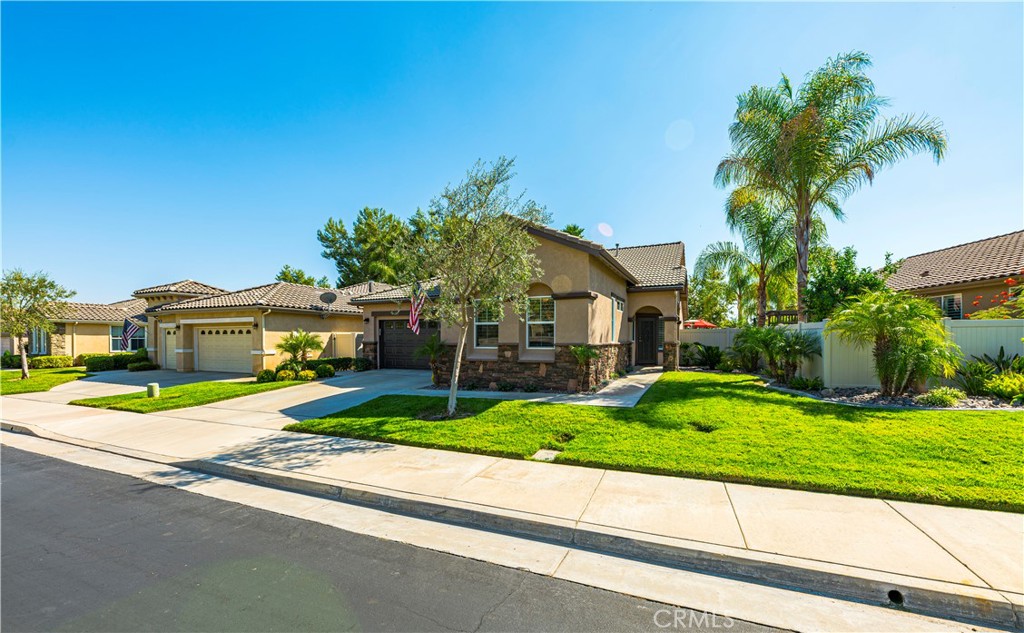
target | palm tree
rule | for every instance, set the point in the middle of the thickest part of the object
(574, 229)
(809, 149)
(299, 344)
(738, 269)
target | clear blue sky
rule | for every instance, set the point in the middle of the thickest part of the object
(144, 143)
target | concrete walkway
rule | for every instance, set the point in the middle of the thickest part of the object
(965, 557)
(122, 381)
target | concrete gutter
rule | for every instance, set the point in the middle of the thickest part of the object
(983, 606)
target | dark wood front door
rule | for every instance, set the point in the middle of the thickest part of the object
(398, 344)
(646, 340)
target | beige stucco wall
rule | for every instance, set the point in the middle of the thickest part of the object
(87, 338)
(606, 282)
(337, 333)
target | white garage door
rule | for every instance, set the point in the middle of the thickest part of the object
(170, 339)
(225, 349)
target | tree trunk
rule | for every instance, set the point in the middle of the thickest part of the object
(762, 300)
(803, 238)
(24, 357)
(456, 366)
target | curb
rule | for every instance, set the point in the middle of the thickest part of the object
(926, 597)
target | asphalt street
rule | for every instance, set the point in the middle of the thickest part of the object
(89, 550)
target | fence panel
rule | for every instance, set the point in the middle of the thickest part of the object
(985, 337)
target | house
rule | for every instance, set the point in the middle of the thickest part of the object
(216, 330)
(627, 302)
(86, 328)
(963, 278)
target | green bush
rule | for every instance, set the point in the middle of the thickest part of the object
(344, 363)
(325, 371)
(708, 355)
(726, 364)
(143, 365)
(82, 359)
(972, 377)
(361, 364)
(266, 375)
(806, 384)
(1007, 385)
(284, 375)
(306, 375)
(339, 364)
(107, 362)
(50, 362)
(10, 361)
(99, 363)
(941, 397)
(1001, 362)
(289, 365)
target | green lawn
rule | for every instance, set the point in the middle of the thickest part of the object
(726, 427)
(182, 396)
(39, 379)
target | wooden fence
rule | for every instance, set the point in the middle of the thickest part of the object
(844, 365)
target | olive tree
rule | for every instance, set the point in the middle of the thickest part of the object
(29, 302)
(474, 247)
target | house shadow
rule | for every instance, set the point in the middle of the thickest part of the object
(298, 451)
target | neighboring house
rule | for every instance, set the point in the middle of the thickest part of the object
(86, 328)
(958, 276)
(626, 302)
(238, 331)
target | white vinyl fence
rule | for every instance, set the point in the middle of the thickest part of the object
(843, 365)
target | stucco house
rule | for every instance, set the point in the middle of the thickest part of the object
(86, 328)
(627, 302)
(238, 331)
(958, 276)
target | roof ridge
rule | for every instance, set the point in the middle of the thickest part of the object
(985, 239)
(646, 245)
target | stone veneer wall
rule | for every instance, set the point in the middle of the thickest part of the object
(370, 353)
(670, 356)
(59, 340)
(559, 375)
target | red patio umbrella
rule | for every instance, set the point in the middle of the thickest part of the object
(699, 324)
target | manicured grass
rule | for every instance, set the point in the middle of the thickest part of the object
(39, 379)
(182, 396)
(727, 427)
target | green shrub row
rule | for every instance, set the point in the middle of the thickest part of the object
(10, 361)
(143, 365)
(50, 362)
(107, 362)
(339, 364)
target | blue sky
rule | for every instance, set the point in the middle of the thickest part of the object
(144, 143)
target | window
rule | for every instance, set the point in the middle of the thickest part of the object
(137, 342)
(618, 305)
(540, 322)
(950, 305)
(661, 335)
(38, 340)
(486, 326)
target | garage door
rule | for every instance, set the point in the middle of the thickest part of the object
(225, 349)
(170, 359)
(398, 344)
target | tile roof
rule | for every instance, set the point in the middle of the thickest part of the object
(654, 265)
(129, 308)
(279, 294)
(990, 258)
(185, 286)
(593, 248)
(398, 293)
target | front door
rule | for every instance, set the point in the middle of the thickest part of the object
(646, 340)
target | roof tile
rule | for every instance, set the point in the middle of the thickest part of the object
(279, 294)
(991, 258)
(185, 286)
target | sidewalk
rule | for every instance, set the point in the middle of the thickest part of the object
(950, 562)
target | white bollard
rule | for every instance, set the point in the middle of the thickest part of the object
(153, 390)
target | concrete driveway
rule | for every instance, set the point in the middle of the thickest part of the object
(114, 383)
(275, 409)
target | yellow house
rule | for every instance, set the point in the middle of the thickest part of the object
(965, 278)
(626, 302)
(238, 331)
(86, 328)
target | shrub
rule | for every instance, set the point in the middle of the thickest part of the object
(361, 364)
(344, 363)
(99, 363)
(284, 374)
(726, 364)
(505, 385)
(325, 371)
(1001, 362)
(82, 359)
(684, 354)
(806, 384)
(972, 376)
(745, 352)
(107, 362)
(530, 387)
(299, 345)
(306, 375)
(10, 361)
(905, 333)
(1007, 386)
(266, 375)
(289, 365)
(941, 397)
(708, 355)
(143, 365)
(50, 362)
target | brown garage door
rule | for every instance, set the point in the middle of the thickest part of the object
(398, 344)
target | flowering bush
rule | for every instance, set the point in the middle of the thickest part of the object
(285, 374)
(1002, 305)
(941, 397)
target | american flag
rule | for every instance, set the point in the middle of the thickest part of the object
(416, 308)
(127, 332)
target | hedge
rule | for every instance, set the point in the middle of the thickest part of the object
(107, 362)
(361, 364)
(339, 364)
(50, 362)
(10, 361)
(143, 365)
